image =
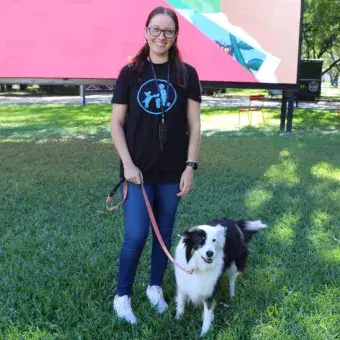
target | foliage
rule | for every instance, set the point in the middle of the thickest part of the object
(321, 32)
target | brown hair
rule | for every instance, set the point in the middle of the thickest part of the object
(175, 59)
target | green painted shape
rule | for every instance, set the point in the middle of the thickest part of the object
(178, 4)
(203, 6)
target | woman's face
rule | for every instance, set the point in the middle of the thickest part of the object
(160, 34)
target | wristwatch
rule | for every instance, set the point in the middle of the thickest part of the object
(194, 165)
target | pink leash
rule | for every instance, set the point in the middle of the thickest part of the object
(152, 219)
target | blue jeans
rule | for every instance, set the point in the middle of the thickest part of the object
(164, 201)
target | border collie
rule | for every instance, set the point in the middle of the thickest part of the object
(210, 251)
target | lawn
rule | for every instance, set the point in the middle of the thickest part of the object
(59, 246)
(328, 92)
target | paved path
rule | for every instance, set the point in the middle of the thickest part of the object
(207, 101)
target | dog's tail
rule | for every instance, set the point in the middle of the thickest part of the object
(249, 228)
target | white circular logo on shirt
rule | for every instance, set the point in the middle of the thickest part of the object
(150, 99)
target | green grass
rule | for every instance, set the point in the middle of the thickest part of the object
(243, 92)
(221, 119)
(59, 246)
(63, 122)
(328, 92)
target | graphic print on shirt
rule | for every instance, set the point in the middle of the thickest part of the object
(150, 99)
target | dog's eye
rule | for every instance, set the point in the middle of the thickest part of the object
(214, 240)
(201, 240)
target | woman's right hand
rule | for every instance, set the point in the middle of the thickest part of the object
(133, 174)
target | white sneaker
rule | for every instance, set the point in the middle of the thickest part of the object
(122, 307)
(155, 295)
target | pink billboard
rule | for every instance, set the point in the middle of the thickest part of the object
(229, 41)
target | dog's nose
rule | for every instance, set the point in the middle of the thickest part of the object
(210, 253)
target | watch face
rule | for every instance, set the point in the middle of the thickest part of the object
(194, 165)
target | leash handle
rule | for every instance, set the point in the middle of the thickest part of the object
(158, 234)
(109, 198)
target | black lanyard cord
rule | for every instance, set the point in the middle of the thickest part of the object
(162, 130)
(158, 89)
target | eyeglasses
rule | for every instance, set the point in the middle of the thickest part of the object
(168, 33)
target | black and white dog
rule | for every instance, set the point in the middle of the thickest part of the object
(210, 251)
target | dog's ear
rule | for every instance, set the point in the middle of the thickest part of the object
(187, 232)
(221, 235)
(188, 243)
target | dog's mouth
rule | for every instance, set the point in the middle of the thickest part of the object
(208, 260)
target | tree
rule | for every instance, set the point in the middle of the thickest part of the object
(334, 69)
(321, 32)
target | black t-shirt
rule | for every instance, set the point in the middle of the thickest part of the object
(140, 93)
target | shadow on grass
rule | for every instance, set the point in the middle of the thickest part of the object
(47, 123)
(244, 131)
(52, 120)
(34, 122)
(218, 110)
(59, 247)
(314, 119)
(293, 186)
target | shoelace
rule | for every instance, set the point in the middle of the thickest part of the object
(158, 291)
(127, 306)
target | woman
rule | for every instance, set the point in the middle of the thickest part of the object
(155, 126)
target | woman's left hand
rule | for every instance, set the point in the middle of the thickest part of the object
(186, 181)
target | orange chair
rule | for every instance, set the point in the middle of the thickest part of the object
(254, 99)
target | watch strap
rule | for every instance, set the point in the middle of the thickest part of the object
(194, 165)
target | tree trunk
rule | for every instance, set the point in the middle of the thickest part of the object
(331, 66)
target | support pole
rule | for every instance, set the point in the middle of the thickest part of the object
(290, 111)
(83, 94)
(283, 111)
(287, 102)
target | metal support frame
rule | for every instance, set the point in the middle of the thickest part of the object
(82, 91)
(287, 109)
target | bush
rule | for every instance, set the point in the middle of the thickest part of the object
(62, 90)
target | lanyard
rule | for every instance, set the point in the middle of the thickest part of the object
(162, 130)
(158, 89)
